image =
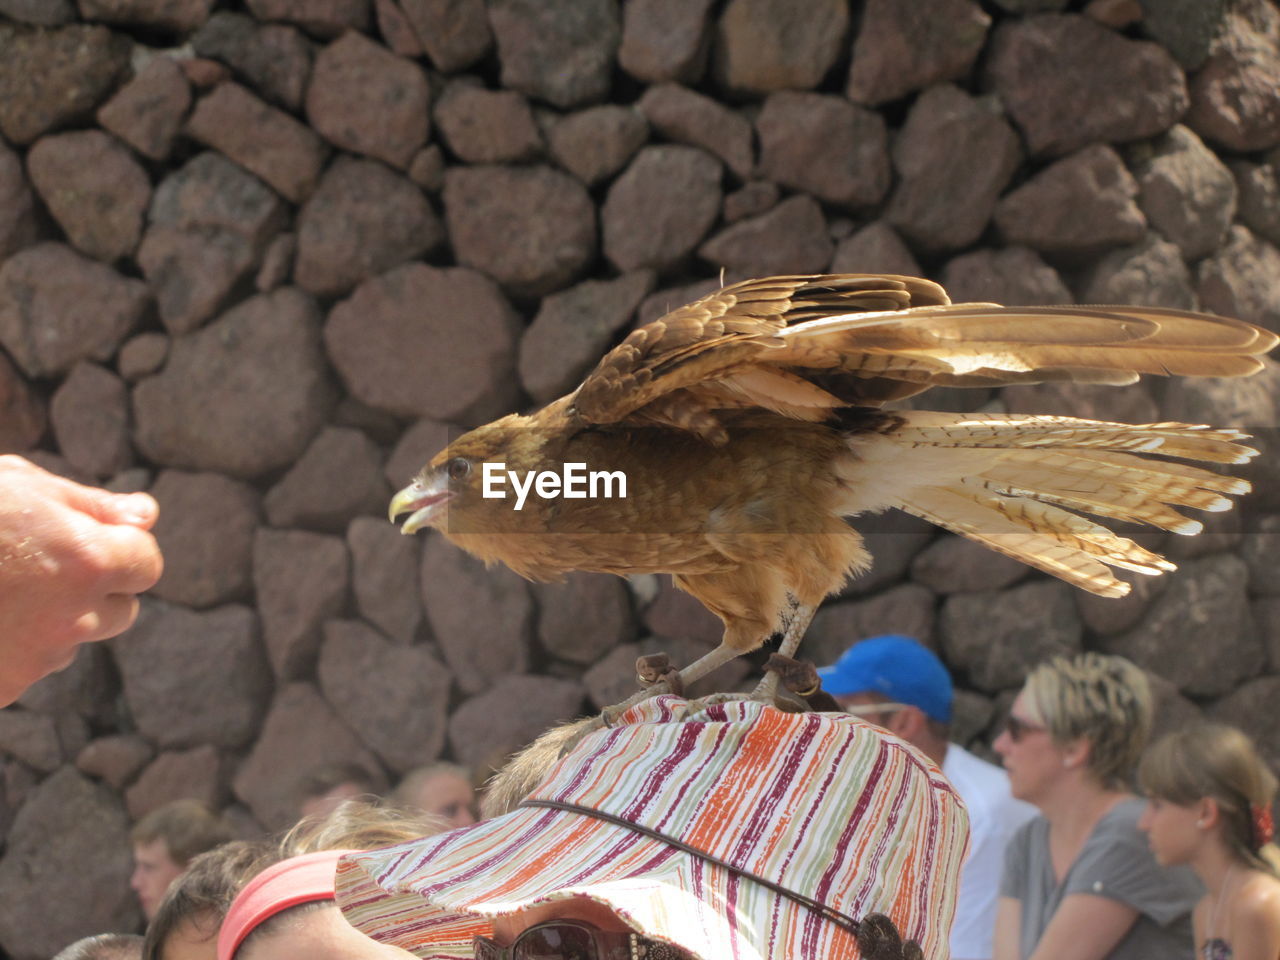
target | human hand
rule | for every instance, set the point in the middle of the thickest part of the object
(72, 561)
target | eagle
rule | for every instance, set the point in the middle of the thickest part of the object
(733, 436)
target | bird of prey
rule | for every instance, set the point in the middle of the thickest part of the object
(749, 424)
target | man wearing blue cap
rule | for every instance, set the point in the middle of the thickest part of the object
(900, 684)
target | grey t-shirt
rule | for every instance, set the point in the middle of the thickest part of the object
(1115, 862)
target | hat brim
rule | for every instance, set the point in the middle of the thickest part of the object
(431, 897)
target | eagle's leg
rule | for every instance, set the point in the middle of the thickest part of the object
(721, 655)
(798, 619)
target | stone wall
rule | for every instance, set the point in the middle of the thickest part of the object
(258, 257)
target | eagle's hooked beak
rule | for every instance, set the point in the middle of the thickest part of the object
(423, 500)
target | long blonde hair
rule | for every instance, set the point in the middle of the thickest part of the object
(1217, 761)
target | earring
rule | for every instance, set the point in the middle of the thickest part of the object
(1200, 823)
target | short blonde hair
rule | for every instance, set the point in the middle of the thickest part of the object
(1104, 700)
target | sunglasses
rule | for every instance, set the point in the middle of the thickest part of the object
(576, 940)
(1018, 728)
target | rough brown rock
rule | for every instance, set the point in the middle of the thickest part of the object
(826, 146)
(1015, 276)
(1186, 192)
(272, 58)
(560, 53)
(94, 188)
(69, 845)
(485, 729)
(675, 614)
(1185, 28)
(1078, 206)
(178, 16)
(1247, 708)
(147, 112)
(754, 198)
(395, 698)
(901, 47)
(665, 39)
(41, 13)
(205, 531)
(195, 774)
(384, 577)
(487, 126)
(954, 155)
(301, 580)
(572, 330)
(244, 395)
(31, 738)
(423, 341)
(454, 33)
(1045, 67)
(193, 678)
(762, 46)
(115, 758)
(480, 618)
(209, 222)
(1151, 273)
(338, 476)
(876, 248)
(19, 225)
(90, 418)
(321, 18)
(1261, 554)
(43, 323)
(1235, 96)
(396, 31)
(365, 99)
(1242, 279)
(995, 642)
(893, 538)
(681, 115)
(954, 564)
(22, 412)
(262, 139)
(661, 206)
(1259, 196)
(277, 262)
(362, 220)
(1204, 597)
(142, 355)
(533, 229)
(301, 732)
(88, 686)
(906, 608)
(596, 143)
(52, 78)
(583, 618)
(790, 238)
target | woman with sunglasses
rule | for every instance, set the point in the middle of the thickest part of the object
(1080, 882)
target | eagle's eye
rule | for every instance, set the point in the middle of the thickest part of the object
(459, 468)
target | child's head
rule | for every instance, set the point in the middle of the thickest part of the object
(1214, 773)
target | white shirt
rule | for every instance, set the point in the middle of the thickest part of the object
(994, 816)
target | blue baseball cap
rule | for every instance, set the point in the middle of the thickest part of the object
(899, 667)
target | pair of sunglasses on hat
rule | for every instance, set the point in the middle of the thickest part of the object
(576, 940)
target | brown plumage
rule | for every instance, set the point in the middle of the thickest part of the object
(749, 425)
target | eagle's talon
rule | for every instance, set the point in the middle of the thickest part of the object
(652, 668)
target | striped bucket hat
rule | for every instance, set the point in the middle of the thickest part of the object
(731, 829)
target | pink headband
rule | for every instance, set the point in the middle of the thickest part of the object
(282, 885)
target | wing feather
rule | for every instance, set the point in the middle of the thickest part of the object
(800, 345)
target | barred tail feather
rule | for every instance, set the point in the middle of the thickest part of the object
(1012, 483)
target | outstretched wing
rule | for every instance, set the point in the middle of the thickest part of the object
(801, 346)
